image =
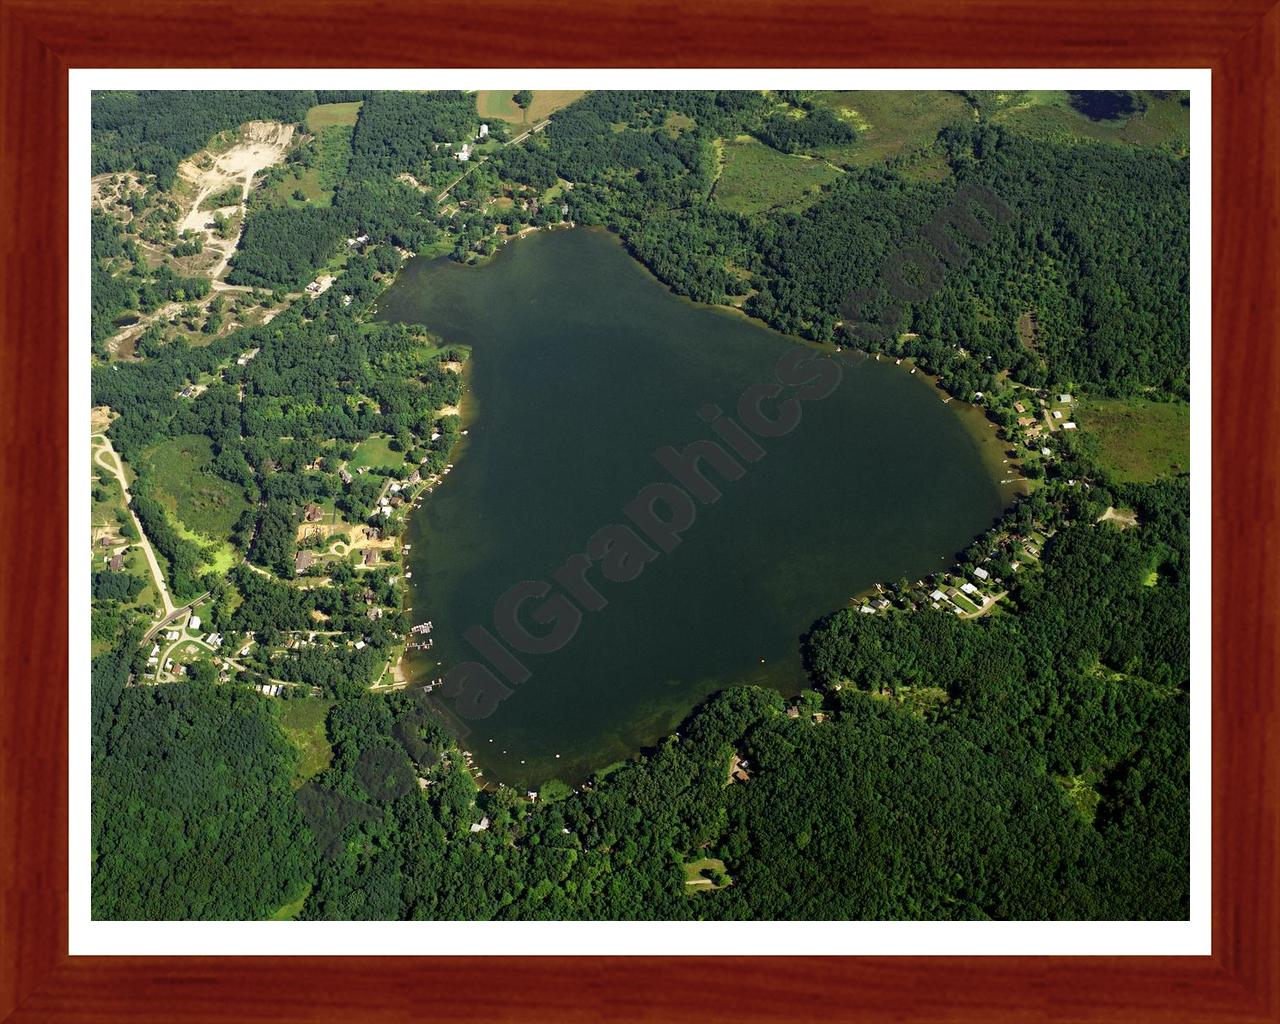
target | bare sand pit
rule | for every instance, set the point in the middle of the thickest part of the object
(261, 144)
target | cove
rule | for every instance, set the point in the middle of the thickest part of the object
(582, 366)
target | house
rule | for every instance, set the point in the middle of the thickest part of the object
(194, 624)
(938, 595)
(1065, 399)
(414, 477)
(880, 604)
(464, 154)
(793, 712)
(1057, 415)
(117, 562)
(370, 556)
(738, 769)
(303, 561)
(1018, 407)
(866, 609)
(313, 513)
(982, 573)
(346, 477)
(484, 132)
(480, 826)
(360, 645)
(1069, 425)
(968, 588)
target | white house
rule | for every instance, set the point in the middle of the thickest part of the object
(194, 623)
(1069, 425)
(464, 154)
(484, 131)
(982, 573)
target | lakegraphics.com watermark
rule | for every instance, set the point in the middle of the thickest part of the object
(535, 618)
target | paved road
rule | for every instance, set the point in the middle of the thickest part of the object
(114, 465)
(177, 613)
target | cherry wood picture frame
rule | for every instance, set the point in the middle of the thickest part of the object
(41, 39)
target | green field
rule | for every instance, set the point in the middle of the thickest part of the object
(696, 881)
(496, 104)
(1138, 440)
(1165, 123)
(303, 721)
(317, 182)
(375, 452)
(327, 115)
(891, 123)
(756, 177)
(104, 512)
(206, 505)
(293, 908)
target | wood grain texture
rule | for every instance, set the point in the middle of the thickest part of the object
(39, 41)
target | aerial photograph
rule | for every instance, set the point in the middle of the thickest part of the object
(607, 505)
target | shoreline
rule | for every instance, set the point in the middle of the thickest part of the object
(1006, 480)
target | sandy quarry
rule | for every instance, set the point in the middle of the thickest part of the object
(262, 143)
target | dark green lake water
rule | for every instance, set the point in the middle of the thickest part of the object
(582, 366)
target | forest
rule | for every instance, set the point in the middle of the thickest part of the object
(1098, 244)
(1029, 764)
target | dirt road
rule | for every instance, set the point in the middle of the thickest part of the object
(105, 456)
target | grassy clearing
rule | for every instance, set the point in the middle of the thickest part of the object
(891, 123)
(329, 115)
(107, 488)
(206, 505)
(496, 104)
(1165, 123)
(701, 875)
(1082, 792)
(1138, 440)
(375, 452)
(292, 909)
(757, 178)
(303, 722)
(316, 183)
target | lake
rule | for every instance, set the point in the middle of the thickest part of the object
(583, 365)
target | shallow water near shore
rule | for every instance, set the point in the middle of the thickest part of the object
(583, 365)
